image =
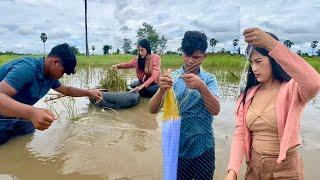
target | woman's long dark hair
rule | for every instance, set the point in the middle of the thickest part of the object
(144, 43)
(277, 72)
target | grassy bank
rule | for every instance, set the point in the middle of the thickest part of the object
(214, 61)
(221, 61)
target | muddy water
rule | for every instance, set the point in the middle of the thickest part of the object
(124, 144)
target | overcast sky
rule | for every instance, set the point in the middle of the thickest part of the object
(109, 21)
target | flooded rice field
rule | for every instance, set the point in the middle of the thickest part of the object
(91, 143)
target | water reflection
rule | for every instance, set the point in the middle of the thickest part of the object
(124, 144)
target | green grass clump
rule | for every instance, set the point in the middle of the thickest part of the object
(113, 82)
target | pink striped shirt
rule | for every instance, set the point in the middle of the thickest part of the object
(145, 78)
(292, 98)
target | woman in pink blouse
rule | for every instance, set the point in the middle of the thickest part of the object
(147, 67)
(279, 84)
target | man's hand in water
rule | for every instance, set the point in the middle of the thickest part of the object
(41, 118)
(193, 81)
(96, 94)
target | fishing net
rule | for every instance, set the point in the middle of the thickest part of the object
(187, 132)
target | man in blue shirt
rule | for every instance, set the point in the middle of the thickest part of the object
(197, 96)
(26, 80)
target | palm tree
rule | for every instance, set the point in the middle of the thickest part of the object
(44, 38)
(299, 52)
(213, 43)
(85, 11)
(93, 48)
(235, 43)
(314, 44)
(288, 43)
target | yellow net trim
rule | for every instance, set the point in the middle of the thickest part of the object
(170, 107)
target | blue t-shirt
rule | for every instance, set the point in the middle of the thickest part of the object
(196, 132)
(26, 76)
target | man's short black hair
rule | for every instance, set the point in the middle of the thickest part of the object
(193, 41)
(67, 57)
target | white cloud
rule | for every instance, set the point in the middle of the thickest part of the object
(109, 21)
(25, 30)
(296, 20)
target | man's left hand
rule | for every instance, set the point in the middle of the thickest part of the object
(193, 81)
(96, 94)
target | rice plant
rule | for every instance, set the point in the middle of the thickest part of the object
(112, 81)
(52, 108)
(70, 107)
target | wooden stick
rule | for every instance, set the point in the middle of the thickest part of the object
(59, 96)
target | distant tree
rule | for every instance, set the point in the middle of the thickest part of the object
(171, 53)
(93, 48)
(75, 50)
(179, 50)
(148, 32)
(9, 53)
(118, 51)
(127, 46)
(314, 44)
(134, 52)
(288, 43)
(163, 43)
(106, 49)
(318, 52)
(44, 38)
(299, 52)
(213, 42)
(235, 43)
(305, 54)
